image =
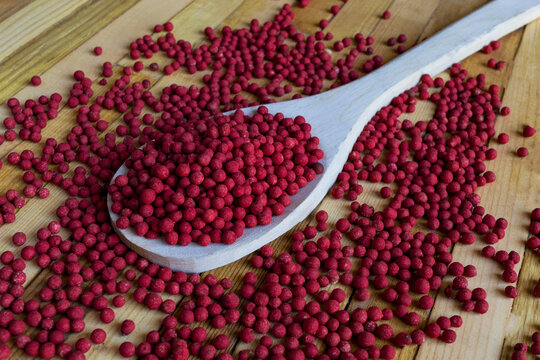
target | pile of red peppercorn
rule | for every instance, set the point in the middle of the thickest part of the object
(296, 307)
(207, 180)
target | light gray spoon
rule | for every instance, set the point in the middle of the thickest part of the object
(337, 117)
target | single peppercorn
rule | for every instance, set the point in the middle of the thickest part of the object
(528, 131)
(127, 327)
(98, 336)
(522, 152)
(127, 349)
(35, 80)
(503, 138)
(448, 336)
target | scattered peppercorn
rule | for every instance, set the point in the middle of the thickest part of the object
(35, 80)
(528, 131)
(522, 152)
(433, 172)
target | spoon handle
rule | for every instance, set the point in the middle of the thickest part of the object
(454, 43)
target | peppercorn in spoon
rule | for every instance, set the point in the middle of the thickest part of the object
(337, 117)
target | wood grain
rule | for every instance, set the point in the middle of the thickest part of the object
(32, 20)
(524, 177)
(43, 52)
(9, 7)
(515, 192)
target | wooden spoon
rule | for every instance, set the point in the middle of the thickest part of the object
(337, 117)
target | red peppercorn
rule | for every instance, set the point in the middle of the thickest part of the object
(511, 291)
(533, 243)
(221, 342)
(459, 282)
(36, 80)
(387, 352)
(444, 322)
(535, 348)
(448, 336)
(106, 315)
(386, 192)
(366, 339)
(535, 214)
(536, 290)
(127, 327)
(528, 131)
(168, 26)
(321, 216)
(98, 336)
(479, 294)
(481, 306)
(83, 345)
(5, 351)
(127, 349)
(386, 14)
(503, 138)
(469, 271)
(456, 321)
(402, 339)
(522, 152)
(384, 332)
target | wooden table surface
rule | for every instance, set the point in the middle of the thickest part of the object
(53, 38)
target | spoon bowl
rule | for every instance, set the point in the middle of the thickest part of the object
(337, 117)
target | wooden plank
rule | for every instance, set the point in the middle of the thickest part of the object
(31, 21)
(447, 12)
(524, 196)
(358, 17)
(515, 192)
(523, 320)
(409, 18)
(307, 19)
(43, 52)
(9, 7)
